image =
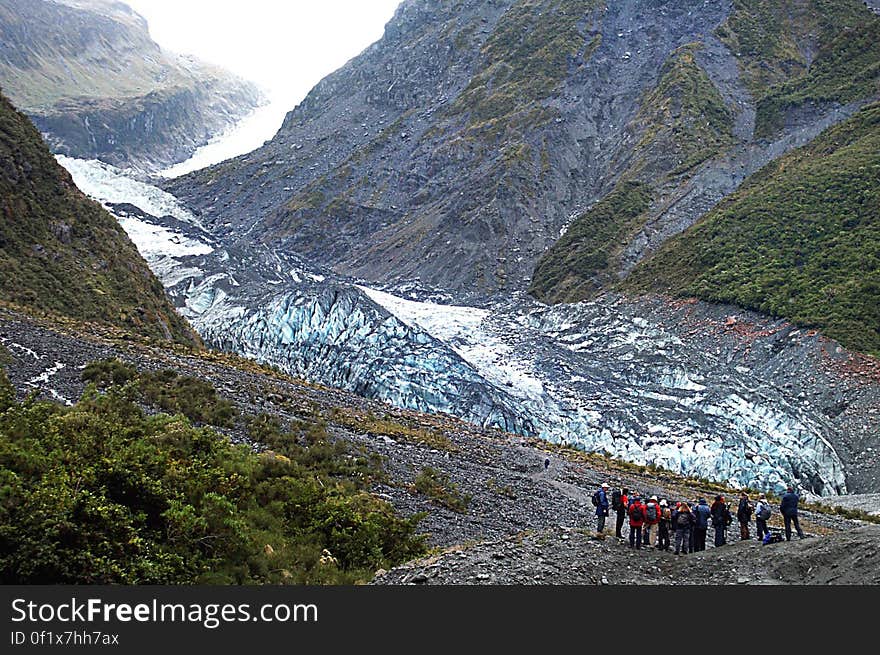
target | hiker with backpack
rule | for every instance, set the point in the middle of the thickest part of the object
(664, 526)
(652, 518)
(600, 502)
(683, 522)
(701, 524)
(636, 513)
(763, 510)
(744, 516)
(620, 504)
(788, 507)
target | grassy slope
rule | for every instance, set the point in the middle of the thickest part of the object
(525, 60)
(792, 53)
(60, 252)
(683, 122)
(570, 270)
(795, 52)
(800, 239)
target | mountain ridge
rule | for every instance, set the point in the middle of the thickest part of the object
(95, 83)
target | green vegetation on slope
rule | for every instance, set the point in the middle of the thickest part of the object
(60, 252)
(102, 493)
(525, 60)
(793, 52)
(570, 270)
(846, 68)
(800, 240)
(683, 121)
(436, 485)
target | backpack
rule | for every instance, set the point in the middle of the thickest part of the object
(682, 521)
(596, 500)
(636, 514)
(772, 538)
(652, 512)
(764, 512)
(666, 514)
(615, 499)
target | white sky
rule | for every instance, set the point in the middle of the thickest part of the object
(286, 46)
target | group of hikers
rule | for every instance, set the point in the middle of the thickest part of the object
(687, 522)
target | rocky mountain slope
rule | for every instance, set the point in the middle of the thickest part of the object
(800, 239)
(61, 252)
(97, 86)
(453, 152)
(494, 511)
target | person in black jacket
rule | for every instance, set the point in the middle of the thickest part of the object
(788, 508)
(744, 516)
(682, 523)
(720, 520)
(602, 507)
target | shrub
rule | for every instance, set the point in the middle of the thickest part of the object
(436, 485)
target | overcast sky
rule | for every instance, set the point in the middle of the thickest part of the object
(286, 46)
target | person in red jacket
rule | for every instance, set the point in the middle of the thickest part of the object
(637, 512)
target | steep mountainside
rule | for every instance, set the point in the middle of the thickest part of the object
(441, 164)
(452, 153)
(795, 60)
(62, 252)
(800, 239)
(94, 82)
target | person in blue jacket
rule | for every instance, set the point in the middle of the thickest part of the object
(701, 524)
(602, 507)
(788, 508)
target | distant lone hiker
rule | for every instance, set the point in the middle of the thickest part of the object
(600, 500)
(546, 463)
(788, 507)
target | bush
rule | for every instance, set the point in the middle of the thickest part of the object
(436, 485)
(100, 493)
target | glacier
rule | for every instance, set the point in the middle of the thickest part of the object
(596, 375)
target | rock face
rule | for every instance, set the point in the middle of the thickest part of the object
(455, 150)
(97, 86)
